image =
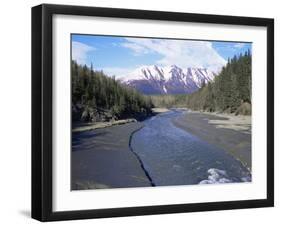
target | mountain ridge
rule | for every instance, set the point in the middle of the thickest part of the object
(172, 79)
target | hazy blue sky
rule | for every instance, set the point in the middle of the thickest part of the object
(120, 55)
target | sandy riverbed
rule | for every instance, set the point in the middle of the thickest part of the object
(240, 123)
(228, 132)
(159, 110)
(102, 158)
(99, 125)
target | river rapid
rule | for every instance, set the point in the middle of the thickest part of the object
(172, 156)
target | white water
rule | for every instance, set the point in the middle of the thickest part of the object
(216, 176)
(173, 156)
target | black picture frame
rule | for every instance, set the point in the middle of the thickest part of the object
(42, 111)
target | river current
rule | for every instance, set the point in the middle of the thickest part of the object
(172, 156)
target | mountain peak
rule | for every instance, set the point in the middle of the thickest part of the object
(154, 79)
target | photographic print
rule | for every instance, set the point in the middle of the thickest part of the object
(159, 112)
(138, 112)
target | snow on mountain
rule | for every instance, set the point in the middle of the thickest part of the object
(168, 80)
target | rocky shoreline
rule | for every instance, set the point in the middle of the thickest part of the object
(81, 127)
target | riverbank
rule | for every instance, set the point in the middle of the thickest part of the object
(228, 132)
(242, 123)
(99, 125)
(159, 110)
(102, 158)
(81, 127)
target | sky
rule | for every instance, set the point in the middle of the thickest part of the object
(121, 55)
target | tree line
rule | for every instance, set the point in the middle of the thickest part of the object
(169, 100)
(229, 92)
(97, 97)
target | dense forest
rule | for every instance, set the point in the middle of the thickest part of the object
(170, 100)
(97, 97)
(230, 92)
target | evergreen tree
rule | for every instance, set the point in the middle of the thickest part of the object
(96, 96)
(230, 89)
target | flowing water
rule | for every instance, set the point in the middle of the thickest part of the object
(172, 156)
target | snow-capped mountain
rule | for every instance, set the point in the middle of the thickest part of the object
(168, 80)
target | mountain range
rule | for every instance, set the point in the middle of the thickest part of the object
(168, 80)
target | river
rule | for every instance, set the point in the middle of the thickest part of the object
(172, 156)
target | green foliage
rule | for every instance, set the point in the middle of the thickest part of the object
(97, 97)
(231, 88)
(169, 101)
(229, 91)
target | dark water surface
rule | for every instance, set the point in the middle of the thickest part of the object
(172, 156)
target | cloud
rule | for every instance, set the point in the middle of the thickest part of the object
(116, 71)
(183, 53)
(80, 51)
(239, 45)
(136, 48)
